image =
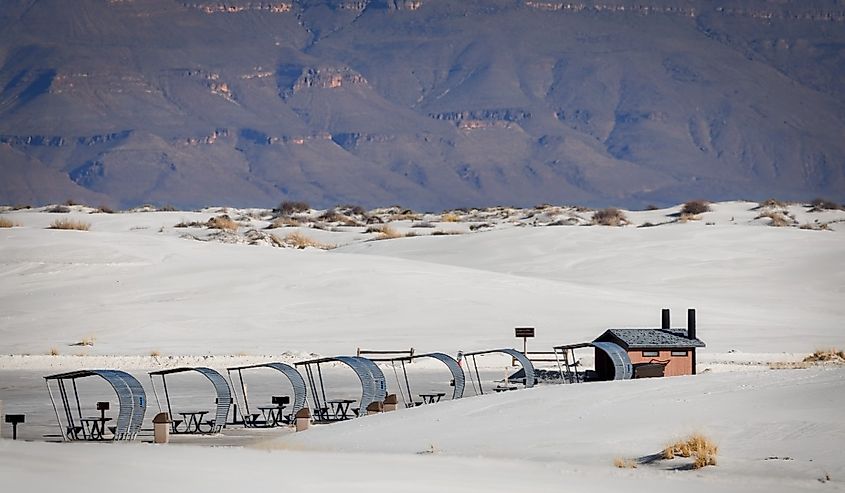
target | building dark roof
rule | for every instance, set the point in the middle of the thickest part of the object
(650, 338)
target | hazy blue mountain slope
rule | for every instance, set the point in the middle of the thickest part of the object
(427, 103)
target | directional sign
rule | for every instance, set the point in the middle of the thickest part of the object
(524, 331)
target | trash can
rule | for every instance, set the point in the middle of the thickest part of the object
(390, 403)
(161, 428)
(303, 419)
(374, 407)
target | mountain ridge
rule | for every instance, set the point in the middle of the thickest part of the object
(430, 103)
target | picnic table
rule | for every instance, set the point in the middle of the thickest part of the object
(340, 407)
(94, 428)
(192, 420)
(273, 415)
(432, 397)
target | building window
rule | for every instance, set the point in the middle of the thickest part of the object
(651, 354)
(679, 353)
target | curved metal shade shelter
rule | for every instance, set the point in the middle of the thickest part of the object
(458, 376)
(527, 366)
(221, 388)
(373, 386)
(622, 367)
(132, 403)
(454, 368)
(378, 378)
(300, 393)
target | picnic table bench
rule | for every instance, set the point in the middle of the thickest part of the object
(432, 397)
(193, 422)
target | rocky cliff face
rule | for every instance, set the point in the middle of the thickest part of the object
(432, 104)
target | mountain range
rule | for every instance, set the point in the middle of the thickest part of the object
(429, 104)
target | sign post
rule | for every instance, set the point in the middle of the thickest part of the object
(524, 333)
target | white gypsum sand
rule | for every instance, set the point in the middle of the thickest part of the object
(135, 292)
(135, 287)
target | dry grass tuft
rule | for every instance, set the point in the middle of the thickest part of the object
(610, 217)
(697, 446)
(385, 232)
(69, 224)
(7, 223)
(155, 353)
(404, 216)
(777, 219)
(695, 207)
(789, 365)
(284, 221)
(827, 355)
(86, 341)
(189, 224)
(54, 351)
(624, 463)
(299, 240)
(223, 222)
(450, 217)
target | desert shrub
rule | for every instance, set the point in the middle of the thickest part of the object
(282, 221)
(189, 224)
(694, 207)
(778, 219)
(155, 353)
(476, 227)
(333, 216)
(651, 207)
(71, 202)
(223, 222)
(832, 355)
(411, 234)
(58, 209)
(104, 209)
(287, 207)
(647, 224)
(301, 241)
(167, 208)
(817, 226)
(354, 210)
(771, 204)
(610, 217)
(698, 446)
(69, 224)
(820, 204)
(450, 217)
(404, 216)
(7, 223)
(445, 233)
(54, 351)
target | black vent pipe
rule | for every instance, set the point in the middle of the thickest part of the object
(691, 323)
